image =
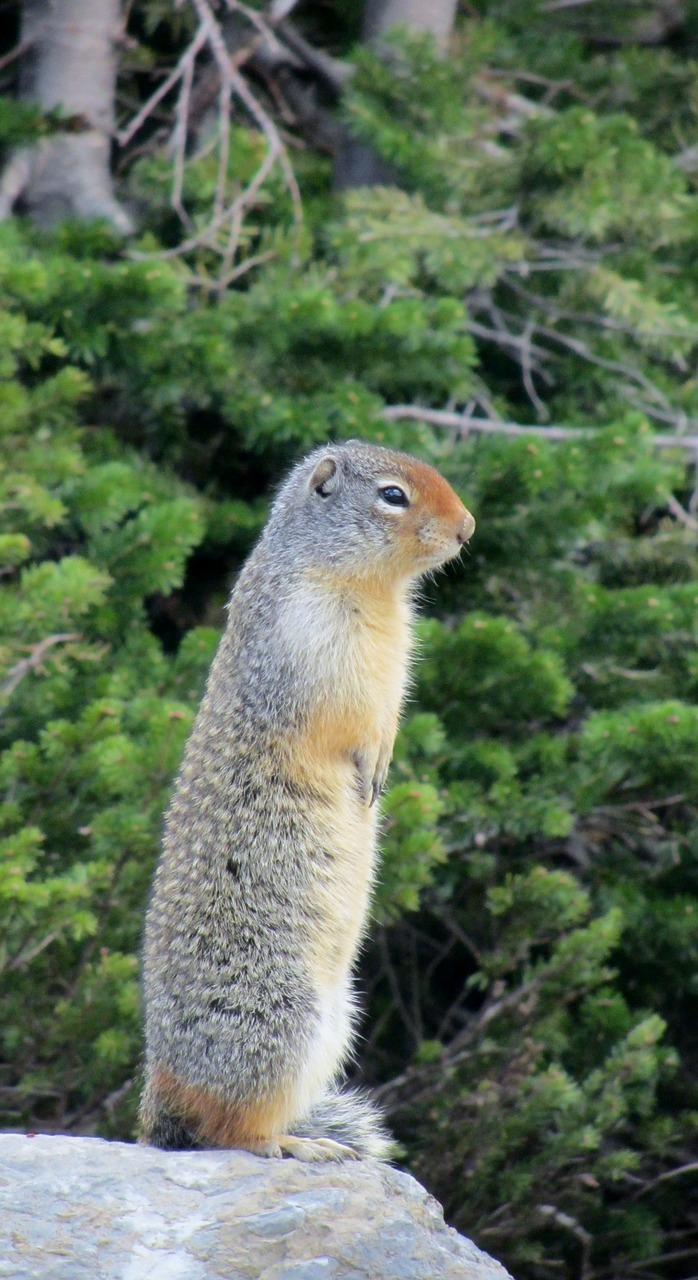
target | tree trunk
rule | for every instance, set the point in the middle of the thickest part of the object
(357, 164)
(71, 65)
(433, 16)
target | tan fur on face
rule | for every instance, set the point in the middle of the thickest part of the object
(432, 528)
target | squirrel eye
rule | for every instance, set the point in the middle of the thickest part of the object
(394, 496)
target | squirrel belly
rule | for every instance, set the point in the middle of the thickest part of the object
(261, 895)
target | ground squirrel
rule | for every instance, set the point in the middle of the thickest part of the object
(261, 894)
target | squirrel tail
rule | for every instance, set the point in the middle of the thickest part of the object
(348, 1117)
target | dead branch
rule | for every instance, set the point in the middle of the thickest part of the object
(221, 233)
(334, 73)
(681, 1172)
(33, 662)
(482, 301)
(555, 312)
(527, 371)
(680, 514)
(564, 1220)
(516, 109)
(124, 136)
(19, 50)
(464, 424)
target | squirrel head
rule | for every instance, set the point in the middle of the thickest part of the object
(372, 512)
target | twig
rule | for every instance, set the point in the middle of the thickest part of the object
(641, 806)
(482, 301)
(335, 73)
(123, 136)
(36, 656)
(552, 87)
(181, 129)
(27, 953)
(504, 338)
(255, 260)
(673, 417)
(679, 513)
(680, 1172)
(527, 372)
(519, 108)
(581, 349)
(575, 1228)
(597, 321)
(20, 49)
(394, 985)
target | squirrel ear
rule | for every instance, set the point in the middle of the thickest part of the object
(325, 477)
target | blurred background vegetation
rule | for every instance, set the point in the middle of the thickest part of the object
(426, 240)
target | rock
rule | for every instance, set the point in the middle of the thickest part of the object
(84, 1209)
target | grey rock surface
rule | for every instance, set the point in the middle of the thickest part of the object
(84, 1209)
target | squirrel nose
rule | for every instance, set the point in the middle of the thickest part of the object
(466, 530)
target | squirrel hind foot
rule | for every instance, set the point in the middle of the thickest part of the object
(169, 1133)
(350, 1121)
(270, 1148)
(316, 1150)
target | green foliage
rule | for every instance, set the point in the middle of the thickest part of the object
(532, 984)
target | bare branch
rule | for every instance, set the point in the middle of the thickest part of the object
(124, 136)
(335, 73)
(222, 231)
(481, 301)
(34, 660)
(680, 1172)
(280, 9)
(680, 514)
(518, 108)
(463, 424)
(181, 129)
(581, 349)
(527, 371)
(564, 1220)
(19, 50)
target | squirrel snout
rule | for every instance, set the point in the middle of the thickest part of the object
(466, 530)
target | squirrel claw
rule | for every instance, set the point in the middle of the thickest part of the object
(363, 775)
(377, 785)
(370, 779)
(380, 774)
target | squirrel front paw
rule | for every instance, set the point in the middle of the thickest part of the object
(371, 772)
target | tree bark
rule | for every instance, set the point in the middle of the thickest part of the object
(432, 16)
(71, 65)
(357, 164)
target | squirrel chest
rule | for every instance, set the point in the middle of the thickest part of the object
(350, 644)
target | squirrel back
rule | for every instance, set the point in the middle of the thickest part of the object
(261, 894)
